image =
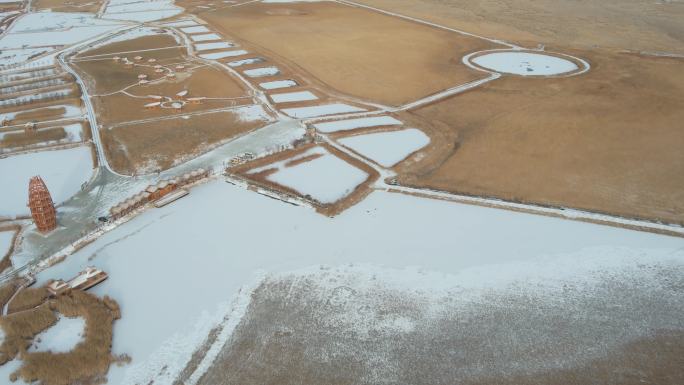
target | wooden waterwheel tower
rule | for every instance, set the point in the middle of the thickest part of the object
(41, 205)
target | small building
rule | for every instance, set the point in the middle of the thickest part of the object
(180, 68)
(152, 106)
(143, 82)
(116, 58)
(87, 278)
(138, 58)
(159, 70)
(152, 60)
(171, 75)
(154, 97)
(182, 94)
(58, 287)
(158, 67)
(142, 77)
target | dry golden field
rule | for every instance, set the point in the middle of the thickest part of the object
(354, 51)
(154, 146)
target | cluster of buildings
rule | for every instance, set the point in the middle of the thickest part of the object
(155, 192)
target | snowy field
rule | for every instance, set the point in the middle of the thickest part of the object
(62, 337)
(352, 124)
(54, 28)
(239, 63)
(205, 37)
(223, 54)
(210, 46)
(64, 171)
(326, 179)
(293, 97)
(525, 63)
(195, 29)
(387, 148)
(278, 84)
(261, 72)
(223, 249)
(322, 110)
(5, 242)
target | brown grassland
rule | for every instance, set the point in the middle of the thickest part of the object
(67, 5)
(134, 148)
(24, 139)
(143, 43)
(87, 363)
(354, 51)
(28, 298)
(607, 141)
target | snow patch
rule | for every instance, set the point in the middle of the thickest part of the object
(62, 337)
(351, 124)
(322, 110)
(387, 148)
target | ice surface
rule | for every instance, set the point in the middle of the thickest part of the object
(64, 171)
(525, 63)
(322, 110)
(5, 243)
(223, 54)
(205, 37)
(260, 72)
(351, 124)
(217, 45)
(9, 368)
(293, 97)
(195, 29)
(238, 63)
(62, 337)
(144, 16)
(387, 148)
(278, 84)
(208, 245)
(326, 179)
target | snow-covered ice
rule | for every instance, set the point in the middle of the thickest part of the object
(525, 63)
(7, 369)
(5, 243)
(326, 179)
(221, 248)
(278, 84)
(293, 97)
(209, 46)
(145, 16)
(64, 171)
(239, 63)
(195, 29)
(387, 148)
(322, 110)
(351, 124)
(261, 72)
(252, 113)
(223, 54)
(205, 37)
(62, 337)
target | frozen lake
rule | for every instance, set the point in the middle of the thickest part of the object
(525, 63)
(201, 250)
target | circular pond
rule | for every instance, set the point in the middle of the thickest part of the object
(525, 63)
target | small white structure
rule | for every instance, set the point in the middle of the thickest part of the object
(138, 58)
(182, 94)
(142, 77)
